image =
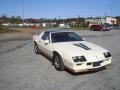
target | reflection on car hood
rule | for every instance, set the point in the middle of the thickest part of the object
(79, 47)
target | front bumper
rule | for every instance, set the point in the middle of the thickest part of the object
(90, 66)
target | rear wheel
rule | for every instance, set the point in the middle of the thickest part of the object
(91, 29)
(36, 49)
(58, 62)
(101, 29)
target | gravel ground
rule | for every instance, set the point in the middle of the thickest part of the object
(22, 69)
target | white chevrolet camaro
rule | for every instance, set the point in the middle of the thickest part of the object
(66, 49)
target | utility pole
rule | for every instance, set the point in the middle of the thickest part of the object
(59, 20)
(105, 17)
(78, 19)
(110, 8)
(23, 11)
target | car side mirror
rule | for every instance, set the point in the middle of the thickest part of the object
(46, 41)
(83, 39)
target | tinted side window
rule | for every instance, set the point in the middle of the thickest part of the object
(45, 36)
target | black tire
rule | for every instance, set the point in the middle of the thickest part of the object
(101, 29)
(36, 49)
(58, 62)
(91, 29)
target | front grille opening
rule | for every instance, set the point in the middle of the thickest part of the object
(107, 59)
(89, 63)
(79, 64)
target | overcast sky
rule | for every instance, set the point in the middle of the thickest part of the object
(62, 8)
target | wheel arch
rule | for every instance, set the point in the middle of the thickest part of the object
(56, 52)
(59, 53)
(35, 42)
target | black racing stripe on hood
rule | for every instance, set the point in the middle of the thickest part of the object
(82, 46)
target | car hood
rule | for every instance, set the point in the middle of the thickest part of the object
(79, 48)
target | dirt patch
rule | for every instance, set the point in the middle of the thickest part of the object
(12, 49)
(15, 36)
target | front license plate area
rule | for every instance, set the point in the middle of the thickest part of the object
(96, 64)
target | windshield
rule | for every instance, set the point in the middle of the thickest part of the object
(65, 37)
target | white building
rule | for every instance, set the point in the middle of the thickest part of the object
(61, 25)
(101, 20)
(111, 20)
(44, 24)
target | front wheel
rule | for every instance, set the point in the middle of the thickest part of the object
(58, 63)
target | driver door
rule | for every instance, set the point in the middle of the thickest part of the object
(46, 48)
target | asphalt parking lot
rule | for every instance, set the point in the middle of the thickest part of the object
(22, 69)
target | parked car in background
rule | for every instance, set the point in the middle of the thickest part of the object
(66, 27)
(105, 27)
(68, 50)
(99, 28)
(95, 27)
(114, 26)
